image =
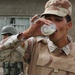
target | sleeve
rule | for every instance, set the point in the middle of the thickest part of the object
(23, 46)
(26, 46)
(11, 42)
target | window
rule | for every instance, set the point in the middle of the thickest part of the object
(21, 23)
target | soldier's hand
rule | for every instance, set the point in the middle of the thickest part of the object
(35, 29)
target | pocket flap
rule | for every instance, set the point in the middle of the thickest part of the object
(47, 60)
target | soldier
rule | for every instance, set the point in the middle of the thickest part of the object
(11, 59)
(45, 57)
(8, 31)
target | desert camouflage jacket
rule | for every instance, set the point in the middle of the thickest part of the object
(44, 57)
(11, 56)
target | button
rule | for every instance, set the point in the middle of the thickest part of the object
(55, 70)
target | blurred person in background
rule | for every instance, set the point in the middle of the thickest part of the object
(11, 60)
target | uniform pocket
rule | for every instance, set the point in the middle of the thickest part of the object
(60, 63)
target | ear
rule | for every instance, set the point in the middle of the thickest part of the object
(69, 26)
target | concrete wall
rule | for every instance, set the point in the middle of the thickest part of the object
(72, 31)
(21, 7)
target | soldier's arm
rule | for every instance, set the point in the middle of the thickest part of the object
(11, 42)
(32, 31)
(20, 44)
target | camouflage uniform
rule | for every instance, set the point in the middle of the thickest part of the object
(12, 56)
(45, 58)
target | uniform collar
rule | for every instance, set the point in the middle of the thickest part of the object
(53, 47)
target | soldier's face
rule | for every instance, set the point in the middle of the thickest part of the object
(62, 27)
(4, 36)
